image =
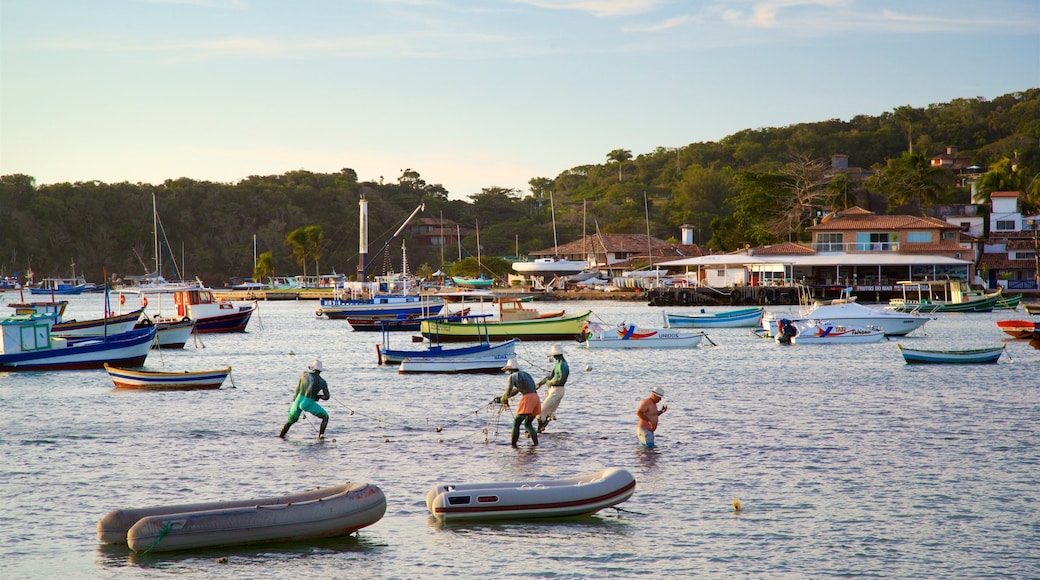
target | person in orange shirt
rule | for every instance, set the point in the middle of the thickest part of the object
(530, 405)
(648, 414)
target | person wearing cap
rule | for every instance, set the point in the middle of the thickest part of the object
(530, 406)
(556, 379)
(648, 414)
(310, 388)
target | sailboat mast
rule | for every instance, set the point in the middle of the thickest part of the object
(362, 240)
(155, 231)
(552, 211)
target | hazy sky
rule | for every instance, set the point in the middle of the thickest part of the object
(469, 93)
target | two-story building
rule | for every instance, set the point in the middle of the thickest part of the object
(1009, 257)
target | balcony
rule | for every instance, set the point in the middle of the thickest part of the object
(856, 247)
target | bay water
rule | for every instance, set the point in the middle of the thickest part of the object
(845, 460)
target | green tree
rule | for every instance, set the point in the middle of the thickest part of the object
(307, 244)
(619, 156)
(264, 267)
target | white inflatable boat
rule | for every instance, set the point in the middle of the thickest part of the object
(531, 499)
(322, 513)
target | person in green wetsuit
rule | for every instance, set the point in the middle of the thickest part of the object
(555, 380)
(310, 388)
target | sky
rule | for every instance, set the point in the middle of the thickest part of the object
(470, 94)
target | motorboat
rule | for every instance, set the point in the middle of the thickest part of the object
(986, 355)
(852, 313)
(736, 318)
(28, 345)
(817, 332)
(630, 336)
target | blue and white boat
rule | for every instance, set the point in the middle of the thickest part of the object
(389, 306)
(739, 318)
(484, 357)
(27, 345)
(987, 355)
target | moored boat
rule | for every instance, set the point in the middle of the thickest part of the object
(847, 312)
(574, 496)
(170, 333)
(210, 314)
(166, 380)
(630, 336)
(379, 306)
(1008, 301)
(815, 332)
(737, 318)
(1019, 328)
(27, 345)
(322, 513)
(483, 358)
(561, 328)
(944, 296)
(987, 355)
(114, 324)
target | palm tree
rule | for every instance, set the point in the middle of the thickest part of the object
(620, 156)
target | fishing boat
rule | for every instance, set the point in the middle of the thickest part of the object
(467, 282)
(437, 358)
(212, 315)
(396, 323)
(327, 512)
(114, 324)
(561, 328)
(483, 358)
(62, 286)
(988, 355)
(1019, 328)
(943, 296)
(630, 336)
(550, 498)
(1008, 301)
(510, 309)
(738, 318)
(379, 306)
(816, 332)
(54, 308)
(166, 380)
(29, 346)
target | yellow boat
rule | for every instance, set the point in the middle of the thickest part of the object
(475, 330)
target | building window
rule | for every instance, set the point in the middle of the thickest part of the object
(949, 235)
(1005, 225)
(873, 242)
(829, 243)
(918, 237)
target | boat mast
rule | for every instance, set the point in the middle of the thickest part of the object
(362, 240)
(155, 231)
(552, 211)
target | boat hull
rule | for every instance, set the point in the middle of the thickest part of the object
(576, 496)
(235, 320)
(825, 333)
(116, 324)
(172, 333)
(1019, 328)
(971, 356)
(483, 358)
(126, 349)
(326, 513)
(390, 306)
(742, 318)
(563, 328)
(166, 381)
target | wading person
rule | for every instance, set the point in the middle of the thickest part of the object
(648, 414)
(310, 388)
(530, 406)
(555, 380)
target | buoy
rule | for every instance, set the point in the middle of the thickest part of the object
(144, 301)
(122, 299)
(438, 429)
(386, 440)
(736, 505)
(588, 368)
(440, 441)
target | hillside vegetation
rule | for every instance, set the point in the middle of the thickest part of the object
(757, 186)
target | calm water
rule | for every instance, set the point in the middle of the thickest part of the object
(847, 461)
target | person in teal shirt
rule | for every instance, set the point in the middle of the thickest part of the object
(310, 388)
(556, 379)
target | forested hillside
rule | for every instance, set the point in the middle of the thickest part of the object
(755, 187)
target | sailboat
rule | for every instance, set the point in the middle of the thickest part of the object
(479, 282)
(551, 266)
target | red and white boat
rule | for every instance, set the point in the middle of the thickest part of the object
(1019, 328)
